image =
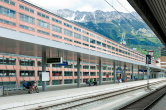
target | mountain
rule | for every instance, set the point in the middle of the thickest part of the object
(113, 25)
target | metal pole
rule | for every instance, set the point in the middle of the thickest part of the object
(100, 71)
(138, 73)
(44, 67)
(147, 74)
(132, 73)
(114, 66)
(143, 74)
(78, 71)
(124, 73)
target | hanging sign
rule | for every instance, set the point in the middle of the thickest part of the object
(63, 64)
(54, 60)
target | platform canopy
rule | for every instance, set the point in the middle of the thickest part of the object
(17, 43)
(153, 13)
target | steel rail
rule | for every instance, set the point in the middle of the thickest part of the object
(105, 95)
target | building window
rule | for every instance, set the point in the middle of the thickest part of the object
(85, 32)
(24, 62)
(56, 82)
(7, 12)
(92, 67)
(75, 73)
(109, 68)
(68, 73)
(7, 61)
(92, 41)
(56, 66)
(85, 80)
(60, 37)
(26, 18)
(57, 21)
(6, 84)
(98, 43)
(98, 48)
(43, 24)
(85, 44)
(67, 39)
(104, 40)
(108, 46)
(85, 73)
(39, 64)
(26, 73)
(56, 29)
(42, 15)
(113, 48)
(85, 66)
(92, 74)
(75, 80)
(77, 42)
(92, 35)
(103, 44)
(77, 29)
(98, 37)
(104, 79)
(26, 9)
(43, 32)
(7, 73)
(40, 83)
(9, 2)
(68, 33)
(92, 46)
(67, 25)
(78, 36)
(104, 68)
(26, 27)
(7, 22)
(85, 39)
(56, 73)
(68, 81)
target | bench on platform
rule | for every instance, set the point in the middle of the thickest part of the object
(13, 88)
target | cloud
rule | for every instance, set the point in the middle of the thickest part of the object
(83, 5)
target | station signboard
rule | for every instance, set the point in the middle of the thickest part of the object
(148, 59)
(54, 60)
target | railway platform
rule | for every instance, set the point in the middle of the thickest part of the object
(38, 100)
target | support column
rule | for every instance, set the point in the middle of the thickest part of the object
(44, 67)
(148, 72)
(125, 72)
(114, 66)
(99, 71)
(132, 72)
(143, 74)
(78, 71)
(138, 73)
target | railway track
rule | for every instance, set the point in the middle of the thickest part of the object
(92, 99)
(147, 102)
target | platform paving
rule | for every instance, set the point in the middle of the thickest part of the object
(35, 100)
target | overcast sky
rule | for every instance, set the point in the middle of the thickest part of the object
(83, 5)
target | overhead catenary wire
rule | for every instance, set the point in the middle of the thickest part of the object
(126, 18)
(133, 16)
(120, 14)
(130, 13)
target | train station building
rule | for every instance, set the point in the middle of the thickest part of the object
(28, 30)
